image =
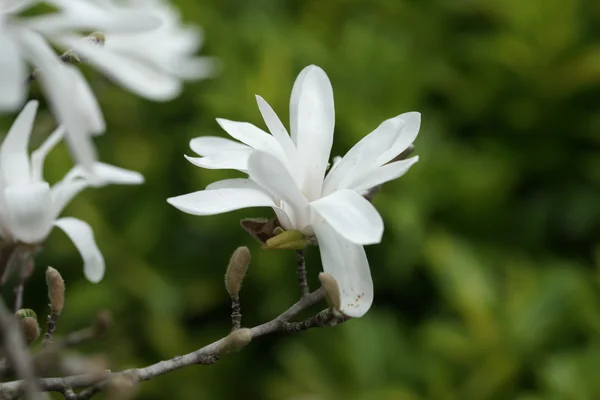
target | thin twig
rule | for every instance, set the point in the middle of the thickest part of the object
(19, 294)
(236, 312)
(203, 356)
(48, 336)
(301, 272)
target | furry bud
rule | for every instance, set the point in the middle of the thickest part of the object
(236, 270)
(332, 290)
(236, 340)
(30, 328)
(26, 312)
(287, 240)
(56, 290)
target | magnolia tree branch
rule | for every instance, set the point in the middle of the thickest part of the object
(301, 272)
(206, 355)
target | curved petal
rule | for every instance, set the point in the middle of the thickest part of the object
(315, 123)
(348, 264)
(253, 136)
(82, 236)
(106, 174)
(64, 191)
(352, 216)
(130, 73)
(212, 145)
(61, 93)
(408, 134)
(362, 157)
(384, 174)
(29, 211)
(236, 183)
(217, 201)
(227, 160)
(277, 129)
(12, 74)
(270, 173)
(39, 156)
(14, 155)
(294, 100)
(86, 102)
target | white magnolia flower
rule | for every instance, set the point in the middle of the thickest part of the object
(29, 207)
(23, 41)
(152, 63)
(288, 174)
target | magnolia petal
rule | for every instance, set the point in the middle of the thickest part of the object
(130, 73)
(315, 123)
(348, 264)
(82, 236)
(362, 157)
(277, 128)
(29, 211)
(227, 160)
(86, 102)
(217, 201)
(270, 173)
(352, 216)
(212, 145)
(236, 183)
(12, 74)
(105, 174)
(61, 93)
(253, 136)
(384, 174)
(294, 99)
(64, 191)
(407, 135)
(38, 157)
(14, 155)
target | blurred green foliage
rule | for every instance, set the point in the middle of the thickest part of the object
(487, 278)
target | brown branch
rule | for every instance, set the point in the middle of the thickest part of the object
(206, 355)
(236, 312)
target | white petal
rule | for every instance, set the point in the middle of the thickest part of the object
(29, 211)
(217, 201)
(252, 136)
(362, 157)
(134, 75)
(89, 108)
(64, 191)
(270, 173)
(213, 145)
(82, 236)
(276, 128)
(348, 264)
(14, 154)
(352, 216)
(294, 99)
(61, 93)
(226, 160)
(39, 156)
(105, 174)
(236, 183)
(408, 134)
(315, 123)
(384, 174)
(12, 74)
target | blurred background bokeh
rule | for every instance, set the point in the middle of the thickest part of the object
(488, 276)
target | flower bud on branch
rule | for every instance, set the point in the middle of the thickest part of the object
(236, 270)
(56, 290)
(29, 324)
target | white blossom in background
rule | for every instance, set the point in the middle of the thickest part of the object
(151, 63)
(24, 46)
(30, 207)
(287, 173)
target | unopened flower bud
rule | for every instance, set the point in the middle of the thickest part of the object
(103, 322)
(332, 290)
(235, 341)
(30, 328)
(236, 270)
(287, 240)
(56, 290)
(26, 312)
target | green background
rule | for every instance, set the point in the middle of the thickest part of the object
(487, 277)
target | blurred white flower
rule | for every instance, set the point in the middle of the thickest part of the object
(151, 63)
(29, 207)
(288, 174)
(23, 40)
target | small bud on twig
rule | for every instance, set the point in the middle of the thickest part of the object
(332, 290)
(56, 290)
(287, 240)
(236, 340)
(236, 270)
(26, 312)
(31, 329)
